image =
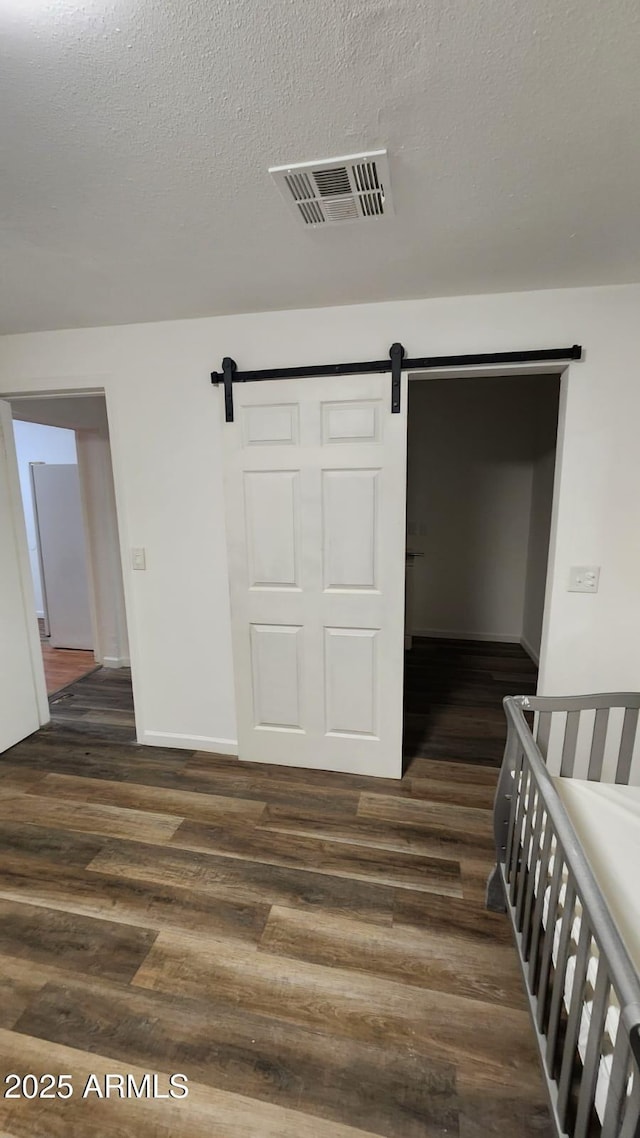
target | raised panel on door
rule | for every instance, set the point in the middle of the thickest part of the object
(349, 531)
(315, 473)
(350, 681)
(270, 425)
(346, 422)
(271, 506)
(276, 658)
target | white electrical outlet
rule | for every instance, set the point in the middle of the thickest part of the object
(584, 579)
(138, 558)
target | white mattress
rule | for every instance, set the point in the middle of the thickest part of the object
(606, 819)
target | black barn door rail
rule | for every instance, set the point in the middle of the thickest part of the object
(396, 363)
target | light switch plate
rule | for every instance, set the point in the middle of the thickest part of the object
(138, 558)
(584, 578)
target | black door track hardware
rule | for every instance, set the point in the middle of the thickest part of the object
(396, 363)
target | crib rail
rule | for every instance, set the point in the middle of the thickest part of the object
(607, 726)
(583, 990)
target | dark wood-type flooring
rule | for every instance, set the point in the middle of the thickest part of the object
(100, 704)
(310, 949)
(453, 697)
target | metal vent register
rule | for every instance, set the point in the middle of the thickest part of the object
(337, 190)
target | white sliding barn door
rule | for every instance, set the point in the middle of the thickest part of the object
(315, 487)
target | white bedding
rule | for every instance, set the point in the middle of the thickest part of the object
(606, 819)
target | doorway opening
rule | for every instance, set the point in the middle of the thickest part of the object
(481, 461)
(66, 483)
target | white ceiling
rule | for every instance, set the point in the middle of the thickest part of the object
(137, 136)
(75, 412)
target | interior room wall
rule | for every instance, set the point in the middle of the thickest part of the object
(38, 443)
(544, 421)
(166, 436)
(470, 472)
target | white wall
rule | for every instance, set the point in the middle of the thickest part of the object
(544, 420)
(37, 443)
(472, 449)
(166, 425)
(480, 484)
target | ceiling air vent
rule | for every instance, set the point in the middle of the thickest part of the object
(337, 190)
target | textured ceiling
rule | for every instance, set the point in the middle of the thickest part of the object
(137, 136)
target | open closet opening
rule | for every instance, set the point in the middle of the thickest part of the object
(66, 483)
(481, 462)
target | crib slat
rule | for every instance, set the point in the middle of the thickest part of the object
(592, 1055)
(569, 744)
(527, 852)
(576, 1006)
(627, 742)
(559, 977)
(597, 744)
(543, 732)
(539, 907)
(631, 1124)
(513, 810)
(617, 1085)
(523, 783)
(531, 880)
(547, 948)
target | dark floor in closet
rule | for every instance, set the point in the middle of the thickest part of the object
(453, 697)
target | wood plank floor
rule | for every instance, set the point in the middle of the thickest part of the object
(64, 665)
(310, 949)
(100, 703)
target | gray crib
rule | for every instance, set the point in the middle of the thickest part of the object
(583, 989)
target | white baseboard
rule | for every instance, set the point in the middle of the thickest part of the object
(189, 742)
(535, 656)
(449, 634)
(116, 662)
